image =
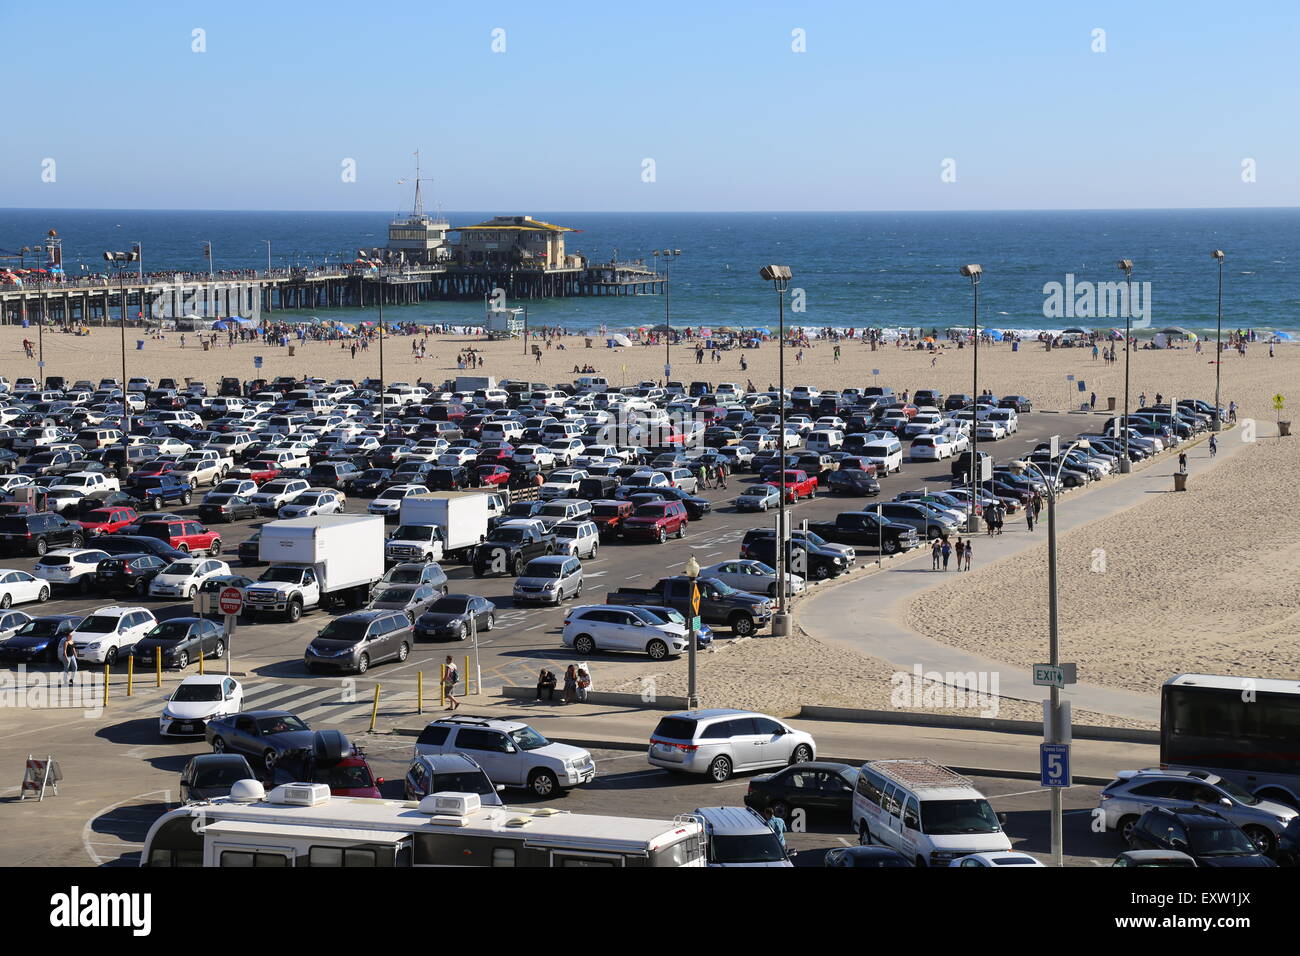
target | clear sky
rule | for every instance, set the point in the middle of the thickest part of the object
(712, 92)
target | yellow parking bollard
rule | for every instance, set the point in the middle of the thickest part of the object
(374, 710)
(200, 658)
(419, 692)
(442, 684)
(130, 676)
(105, 685)
(157, 670)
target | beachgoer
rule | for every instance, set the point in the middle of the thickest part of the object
(1214, 446)
(936, 546)
(967, 554)
(450, 677)
(947, 553)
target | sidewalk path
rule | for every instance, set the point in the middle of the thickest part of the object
(882, 595)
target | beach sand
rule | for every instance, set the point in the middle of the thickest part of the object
(1203, 581)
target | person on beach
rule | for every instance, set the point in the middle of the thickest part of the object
(450, 677)
(1214, 446)
(936, 548)
(947, 553)
(967, 554)
(961, 552)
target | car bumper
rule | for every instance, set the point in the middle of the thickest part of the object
(536, 596)
(182, 727)
(345, 663)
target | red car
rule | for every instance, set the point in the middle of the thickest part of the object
(655, 521)
(496, 455)
(350, 777)
(152, 469)
(797, 485)
(108, 520)
(258, 470)
(854, 463)
(493, 476)
(183, 534)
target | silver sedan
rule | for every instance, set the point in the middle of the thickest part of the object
(754, 577)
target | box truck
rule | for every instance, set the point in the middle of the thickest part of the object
(326, 559)
(461, 518)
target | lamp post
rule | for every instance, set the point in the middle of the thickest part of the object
(692, 571)
(1053, 626)
(383, 412)
(268, 254)
(207, 250)
(973, 271)
(1217, 424)
(780, 277)
(1126, 266)
(668, 255)
(122, 259)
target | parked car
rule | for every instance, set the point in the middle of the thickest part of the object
(510, 752)
(411, 599)
(224, 507)
(614, 627)
(353, 642)
(455, 616)
(20, 587)
(35, 533)
(39, 639)
(739, 836)
(867, 856)
(182, 579)
(745, 574)
(70, 567)
(720, 741)
(449, 773)
(128, 572)
(208, 776)
(261, 735)
(549, 580)
(108, 633)
(1204, 834)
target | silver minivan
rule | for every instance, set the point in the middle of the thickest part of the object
(720, 741)
(549, 580)
(739, 836)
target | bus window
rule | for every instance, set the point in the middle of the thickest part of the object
(241, 858)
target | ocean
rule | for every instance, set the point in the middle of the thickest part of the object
(850, 269)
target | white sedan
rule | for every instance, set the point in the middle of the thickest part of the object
(244, 487)
(10, 483)
(753, 577)
(539, 455)
(198, 699)
(74, 567)
(314, 501)
(19, 587)
(389, 501)
(989, 430)
(182, 578)
(997, 859)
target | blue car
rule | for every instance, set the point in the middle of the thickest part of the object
(39, 639)
(156, 490)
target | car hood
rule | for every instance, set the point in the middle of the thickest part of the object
(193, 709)
(27, 641)
(561, 752)
(536, 582)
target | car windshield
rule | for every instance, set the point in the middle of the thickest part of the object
(183, 568)
(1220, 841)
(751, 848)
(414, 532)
(401, 575)
(543, 569)
(450, 605)
(651, 511)
(606, 511)
(395, 595)
(344, 778)
(99, 624)
(280, 724)
(939, 817)
(525, 738)
(222, 775)
(169, 632)
(566, 531)
(469, 781)
(507, 535)
(197, 692)
(40, 627)
(341, 629)
(285, 575)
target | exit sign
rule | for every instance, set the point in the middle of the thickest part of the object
(1055, 675)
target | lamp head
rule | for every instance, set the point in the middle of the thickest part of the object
(1125, 265)
(779, 275)
(1217, 254)
(972, 270)
(692, 568)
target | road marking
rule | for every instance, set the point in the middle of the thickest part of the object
(724, 786)
(1020, 793)
(631, 577)
(86, 842)
(535, 627)
(844, 841)
(712, 554)
(601, 760)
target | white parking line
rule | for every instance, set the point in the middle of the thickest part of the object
(738, 783)
(1020, 793)
(601, 760)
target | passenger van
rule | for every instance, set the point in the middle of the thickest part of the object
(1007, 418)
(885, 454)
(92, 438)
(825, 440)
(926, 812)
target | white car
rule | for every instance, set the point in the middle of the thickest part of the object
(172, 446)
(578, 538)
(314, 501)
(457, 456)
(181, 579)
(109, 632)
(74, 567)
(617, 627)
(990, 430)
(11, 622)
(19, 587)
(753, 577)
(539, 455)
(244, 487)
(87, 482)
(930, 448)
(997, 859)
(10, 483)
(389, 501)
(277, 492)
(198, 699)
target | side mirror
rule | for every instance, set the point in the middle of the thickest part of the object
(500, 787)
(1002, 819)
(379, 781)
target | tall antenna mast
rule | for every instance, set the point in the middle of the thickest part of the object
(419, 200)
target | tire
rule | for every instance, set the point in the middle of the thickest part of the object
(663, 536)
(594, 549)
(802, 754)
(681, 531)
(78, 541)
(194, 589)
(363, 663)
(268, 760)
(218, 745)
(6, 602)
(720, 769)
(657, 650)
(864, 833)
(111, 657)
(215, 548)
(156, 503)
(294, 612)
(183, 660)
(1263, 839)
(185, 498)
(141, 588)
(403, 652)
(43, 596)
(819, 572)
(891, 547)
(462, 632)
(218, 650)
(543, 783)
(1125, 830)
(584, 644)
(41, 548)
(518, 566)
(742, 625)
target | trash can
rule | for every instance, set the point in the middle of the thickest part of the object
(974, 524)
(588, 341)
(1110, 403)
(1015, 346)
(206, 343)
(139, 345)
(1283, 429)
(291, 348)
(1180, 481)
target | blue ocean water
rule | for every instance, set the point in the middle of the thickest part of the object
(855, 269)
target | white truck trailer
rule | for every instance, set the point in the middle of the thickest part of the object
(317, 561)
(461, 518)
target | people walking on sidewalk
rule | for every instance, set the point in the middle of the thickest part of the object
(947, 553)
(961, 552)
(68, 655)
(1038, 505)
(1029, 513)
(1214, 446)
(967, 554)
(450, 678)
(936, 551)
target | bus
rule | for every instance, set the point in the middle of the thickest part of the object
(1244, 729)
(302, 825)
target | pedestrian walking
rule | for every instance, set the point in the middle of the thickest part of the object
(68, 655)
(970, 549)
(1182, 462)
(1029, 513)
(1038, 505)
(961, 552)
(570, 685)
(1214, 446)
(1002, 516)
(450, 678)
(947, 553)
(722, 474)
(936, 547)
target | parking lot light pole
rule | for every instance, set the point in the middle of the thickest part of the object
(780, 277)
(1217, 424)
(692, 571)
(121, 260)
(383, 420)
(1126, 266)
(668, 255)
(973, 271)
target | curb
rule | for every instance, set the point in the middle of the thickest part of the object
(1127, 735)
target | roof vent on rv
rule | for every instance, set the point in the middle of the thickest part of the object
(246, 791)
(450, 804)
(300, 794)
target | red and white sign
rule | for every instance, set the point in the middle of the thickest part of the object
(231, 600)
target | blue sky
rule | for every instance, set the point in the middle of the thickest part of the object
(712, 92)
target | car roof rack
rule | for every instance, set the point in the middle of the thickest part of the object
(919, 773)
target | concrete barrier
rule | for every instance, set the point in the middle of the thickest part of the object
(659, 702)
(1127, 735)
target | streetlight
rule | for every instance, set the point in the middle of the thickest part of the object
(268, 254)
(121, 259)
(973, 271)
(1218, 343)
(668, 255)
(1053, 644)
(138, 249)
(692, 571)
(383, 418)
(780, 277)
(1126, 266)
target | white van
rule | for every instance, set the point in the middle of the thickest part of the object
(926, 812)
(886, 454)
(825, 440)
(1007, 418)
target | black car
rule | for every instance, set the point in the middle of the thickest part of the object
(814, 787)
(449, 617)
(128, 572)
(37, 533)
(696, 506)
(180, 640)
(212, 775)
(39, 639)
(370, 482)
(264, 735)
(877, 856)
(810, 561)
(105, 499)
(225, 507)
(852, 481)
(332, 474)
(1019, 403)
(597, 487)
(507, 550)
(956, 402)
(448, 479)
(249, 549)
(1204, 834)
(158, 489)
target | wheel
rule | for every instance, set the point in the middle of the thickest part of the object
(268, 760)
(681, 531)
(1263, 839)
(663, 536)
(7, 601)
(584, 644)
(218, 745)
(594, 548)
(215, 548)
(891, 547)
(518, 566)
(156, 503)
(820, 572)
(864, 834)
(111, 657)
(720, 769)
(219, 650)
(185, 498)
(1125, 829)
(294, 612)
(578, 591)
(657, 650)
(490, 623)
(462, 632)
(802, 754)
(43, 596)
(742, 625)
(542, 783)
(183, 660)
(41, 548)
(404, 651)
(77, 541)
(183, 547)
(141, 588)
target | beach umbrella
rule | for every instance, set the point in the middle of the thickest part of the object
(1116, 334)
(1075, 330)
(1175, 330)
(219, 326)
(1282, 336)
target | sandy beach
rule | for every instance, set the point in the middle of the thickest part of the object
(1204, 581)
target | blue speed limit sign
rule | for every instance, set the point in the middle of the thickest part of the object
(1054, 765)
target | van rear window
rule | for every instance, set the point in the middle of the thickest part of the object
(676, 728)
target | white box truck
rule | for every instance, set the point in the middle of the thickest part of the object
(461, 518)
(315, 561)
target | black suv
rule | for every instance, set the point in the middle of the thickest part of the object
(803, 556)
(1204, 834)
(37, 533)
(128, 572)
(507, 550)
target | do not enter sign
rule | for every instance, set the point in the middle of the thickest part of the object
(231, 601)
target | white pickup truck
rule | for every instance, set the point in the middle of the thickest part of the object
(317, 560)
(87, 482)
